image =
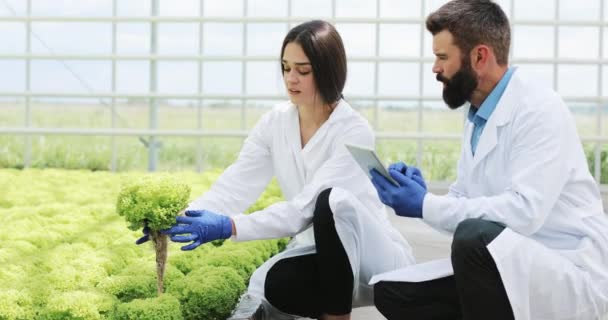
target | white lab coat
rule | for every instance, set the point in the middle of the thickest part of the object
(529, 172)
(273, 148)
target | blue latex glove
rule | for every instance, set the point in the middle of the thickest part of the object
(200, 226)
(406, 199)
(409, 171)
(146, 237)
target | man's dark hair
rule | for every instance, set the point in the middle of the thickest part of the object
(474, 22)
(324, 48)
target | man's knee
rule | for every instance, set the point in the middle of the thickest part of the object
(474, 234)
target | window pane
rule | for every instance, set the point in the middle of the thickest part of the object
(360, 79)
(224, 8)
(179, 8)
(264, 78)
(72, 37)
(177, 77)
(400, 40)
(53, 76)
(133, 38)
(13, 37)
(223, 38)
(399, 9)
(178, 38)
(265, 38)
(533, 42)
(529, 9)
(12, 77)
(577, 80)
(356, 8)
(222, 77)
(579, 42)
(579, 10)
(133, 76)
(266, 8)
(399, 78)
(359, 39)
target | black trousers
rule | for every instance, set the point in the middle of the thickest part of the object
(315, 284)
(474, 292)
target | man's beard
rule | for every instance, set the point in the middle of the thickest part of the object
(460, 87)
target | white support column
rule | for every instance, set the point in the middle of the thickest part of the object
(377, 71)
(244, 70)
(199, 109)
(27, 150)
(420, 127)
(152, 142)
(597, 152)
(113, 100)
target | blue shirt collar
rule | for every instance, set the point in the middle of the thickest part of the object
(481, 115)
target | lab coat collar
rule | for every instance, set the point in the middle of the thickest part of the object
(500, 117)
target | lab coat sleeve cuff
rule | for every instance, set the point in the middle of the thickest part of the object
(244, 228)
(431, 210)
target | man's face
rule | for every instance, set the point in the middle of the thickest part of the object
(455, 72)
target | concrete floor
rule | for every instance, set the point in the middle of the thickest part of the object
(427, 243)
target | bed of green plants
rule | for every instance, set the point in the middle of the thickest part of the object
(66, 254)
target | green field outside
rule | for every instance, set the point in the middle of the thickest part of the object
(180, 153)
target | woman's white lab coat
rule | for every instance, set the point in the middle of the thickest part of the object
(529, 172)
(273, 148)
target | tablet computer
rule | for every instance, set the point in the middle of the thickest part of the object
(368, 160)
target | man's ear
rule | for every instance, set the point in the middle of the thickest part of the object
(480, 56)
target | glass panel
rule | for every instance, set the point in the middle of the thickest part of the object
(179, 8)
(72, 37)
(266, 8)
(265, 39)
(398, 116)
(12, 77)
(12, 112)
(401, 40)
(579, 42)
(223, 38)
(585, 115)
(539, 73)
(399, 9)
(72, 8)
(360, 79)
(359, 39)
(439, 159)
(13, 37)
(132, 76)
(222, 77)
(224, 8)
(529, 9)
(311, 8)
(264, 78)
(178, 38)
(577, 80)
(437, 118)
(356, 8)
(177, 77)
(222, 114)
(399, 78)
(533, 42)
(71, 113)
(579, 10)
(133, 8)
(54, 76)
(133, 38)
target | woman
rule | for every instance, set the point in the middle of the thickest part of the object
(327, 268)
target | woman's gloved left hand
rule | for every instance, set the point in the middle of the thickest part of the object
(200, 226)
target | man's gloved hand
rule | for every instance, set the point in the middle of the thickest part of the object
(406, 199)
(200, 226)
(409, 171)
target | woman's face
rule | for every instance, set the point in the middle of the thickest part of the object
(298, 77)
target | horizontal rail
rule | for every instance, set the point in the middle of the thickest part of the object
(209, 96)
(198, 19)
(157, 57)
(221, 133)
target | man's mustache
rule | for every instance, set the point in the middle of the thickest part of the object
(441, 78)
